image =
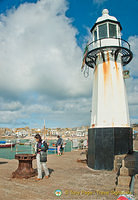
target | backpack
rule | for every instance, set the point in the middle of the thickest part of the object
(44, 146)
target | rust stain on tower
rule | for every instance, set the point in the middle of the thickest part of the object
(106, 69)
(108, 59)
(116, 67)
(117, 72)
(95, 69)
(93, 125)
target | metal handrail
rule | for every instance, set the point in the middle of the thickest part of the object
(119, 40)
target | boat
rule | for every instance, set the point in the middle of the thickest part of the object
(21, 143)
(28, 143)
(25, 143)
(5, 144)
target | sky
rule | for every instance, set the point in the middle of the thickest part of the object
(41, 51)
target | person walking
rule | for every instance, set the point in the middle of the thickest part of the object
(41, 148)
(58, 145)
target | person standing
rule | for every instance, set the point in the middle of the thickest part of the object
(41, 156)
(59, 143)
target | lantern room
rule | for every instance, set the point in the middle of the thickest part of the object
(106, 31)
(106, 36)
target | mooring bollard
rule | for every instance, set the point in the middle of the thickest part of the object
(25, 169)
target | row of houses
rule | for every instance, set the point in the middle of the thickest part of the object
(26, 131)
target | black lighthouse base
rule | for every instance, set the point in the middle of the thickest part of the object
(105, 143)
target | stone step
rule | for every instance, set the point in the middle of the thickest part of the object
(127, 171)
(135, 144)
(130, 162)
(136, 185)
(124, 181)
(121, 188)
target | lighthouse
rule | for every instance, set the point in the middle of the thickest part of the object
(110, 133)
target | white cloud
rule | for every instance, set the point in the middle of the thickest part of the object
(10, 106)
(40, 58)
(99, 1)
(132, 82)
(65, 113)
(39, 51)
(133, 66)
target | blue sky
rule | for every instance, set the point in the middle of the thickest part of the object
(84, 13)
(43, 41)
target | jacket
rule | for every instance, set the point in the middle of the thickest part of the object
(59, 142)
(43, 147)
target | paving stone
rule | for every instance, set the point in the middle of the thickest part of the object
(76, 180)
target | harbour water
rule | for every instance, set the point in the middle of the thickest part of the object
(9, 153)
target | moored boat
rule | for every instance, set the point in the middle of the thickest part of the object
(4, 144)
(21, 143)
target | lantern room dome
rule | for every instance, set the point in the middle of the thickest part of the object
(105, 16)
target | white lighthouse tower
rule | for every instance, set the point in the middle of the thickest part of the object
(110, 133)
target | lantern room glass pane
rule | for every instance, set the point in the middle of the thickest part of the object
(95, 35)
(112, 31)
(103, 31)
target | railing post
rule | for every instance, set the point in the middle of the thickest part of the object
(119, 41)
(71, 145)
(16, 149)
(11, 146)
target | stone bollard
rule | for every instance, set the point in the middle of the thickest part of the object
(118, 162)
(124, 179)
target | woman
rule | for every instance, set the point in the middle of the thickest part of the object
(41, 147)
